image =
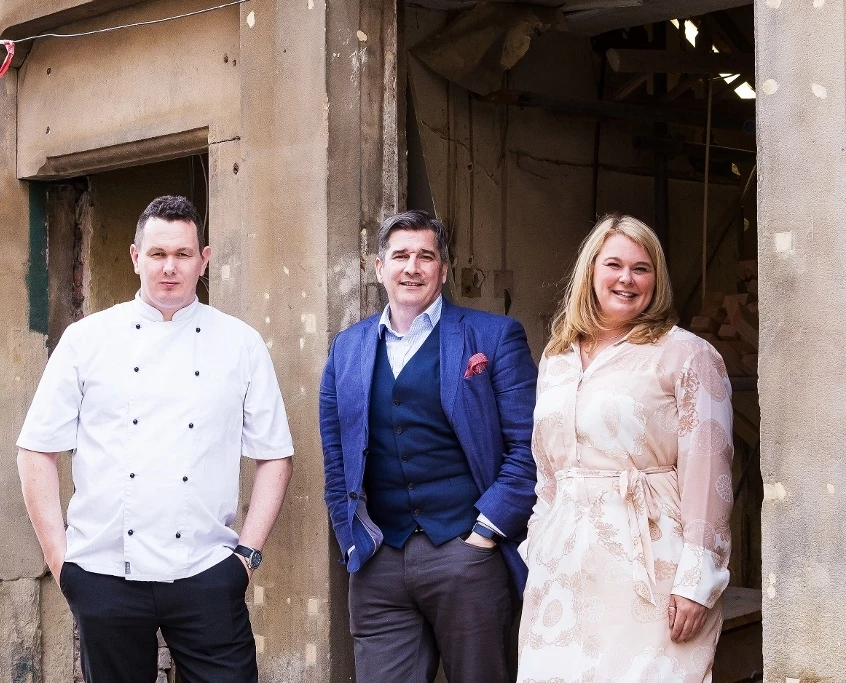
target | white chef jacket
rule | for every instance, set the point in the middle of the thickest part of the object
(157, 415)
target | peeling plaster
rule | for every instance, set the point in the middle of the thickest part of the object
(774, 492)
(309, 321)
(251, 19)
(361, 35)
(225, 272)
(769, 87)
(258, 595)
(819, 90)
(783, 241)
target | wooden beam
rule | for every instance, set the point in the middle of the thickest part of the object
(664, 61)
(680, 112)
(632, 85)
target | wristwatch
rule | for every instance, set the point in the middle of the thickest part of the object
(484, 532)
(253, 556)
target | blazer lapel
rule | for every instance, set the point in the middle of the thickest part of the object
(452, 351)
(368, 360)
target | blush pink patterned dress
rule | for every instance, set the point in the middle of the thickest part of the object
(634, 502)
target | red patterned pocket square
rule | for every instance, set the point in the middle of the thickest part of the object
(476, 365)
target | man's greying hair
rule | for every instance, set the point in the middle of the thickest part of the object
(170, 208)
(413, 220)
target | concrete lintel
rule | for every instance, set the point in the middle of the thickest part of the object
(22, 18)
(161, 148)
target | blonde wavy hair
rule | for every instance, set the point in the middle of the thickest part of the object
(578, 317)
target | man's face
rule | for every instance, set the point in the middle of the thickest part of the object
(169, 262)
(412, 272)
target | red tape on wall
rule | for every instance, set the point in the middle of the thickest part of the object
(10, 52)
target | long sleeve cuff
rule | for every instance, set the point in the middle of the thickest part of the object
(698, 576)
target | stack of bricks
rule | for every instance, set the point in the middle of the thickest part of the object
(730, 323)
(167, 671)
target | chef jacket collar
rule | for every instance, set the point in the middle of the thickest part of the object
(149, 312)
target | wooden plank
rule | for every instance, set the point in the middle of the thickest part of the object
(750, 362)
(741, 606)
(732, 115)
(731, 357)
(702, 323)
(632, 85)
(594, 22)
(746, 404)
(727, 333)
(666, 61)
(747, 270)
(746, 430)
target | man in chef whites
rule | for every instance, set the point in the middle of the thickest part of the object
(158, 398)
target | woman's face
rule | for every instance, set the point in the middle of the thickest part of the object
(623, 279)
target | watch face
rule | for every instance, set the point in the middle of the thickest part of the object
(255, 559)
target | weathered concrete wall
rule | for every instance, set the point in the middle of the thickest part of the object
(280, 269)
(20, 632)
(802, 191)
(161, 80)
(25, 352)
(259, 88)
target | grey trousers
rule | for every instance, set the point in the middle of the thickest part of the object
(413, 606)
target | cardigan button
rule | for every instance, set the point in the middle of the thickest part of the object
(411, 487)
(137, 326)
(130, 532)
(399, 430)
(397, 401)
(135, 422)
(353, 495)
(178, 535)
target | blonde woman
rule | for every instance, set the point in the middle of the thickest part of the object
(629, 542)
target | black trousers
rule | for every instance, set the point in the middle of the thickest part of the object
(203, 618)
(413, 606)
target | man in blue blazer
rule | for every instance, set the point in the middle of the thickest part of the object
(426, 421)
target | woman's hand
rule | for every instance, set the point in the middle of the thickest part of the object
(686, 618)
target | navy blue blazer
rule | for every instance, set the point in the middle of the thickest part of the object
(491, 414)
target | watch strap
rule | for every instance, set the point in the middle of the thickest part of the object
(252, 555)
(485, 532)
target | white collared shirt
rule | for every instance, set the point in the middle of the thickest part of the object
(157, 414)
(402, 347)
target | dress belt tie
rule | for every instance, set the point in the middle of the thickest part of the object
(641, 502)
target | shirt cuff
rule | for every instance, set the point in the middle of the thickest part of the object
(485, 522)
(698, 576)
